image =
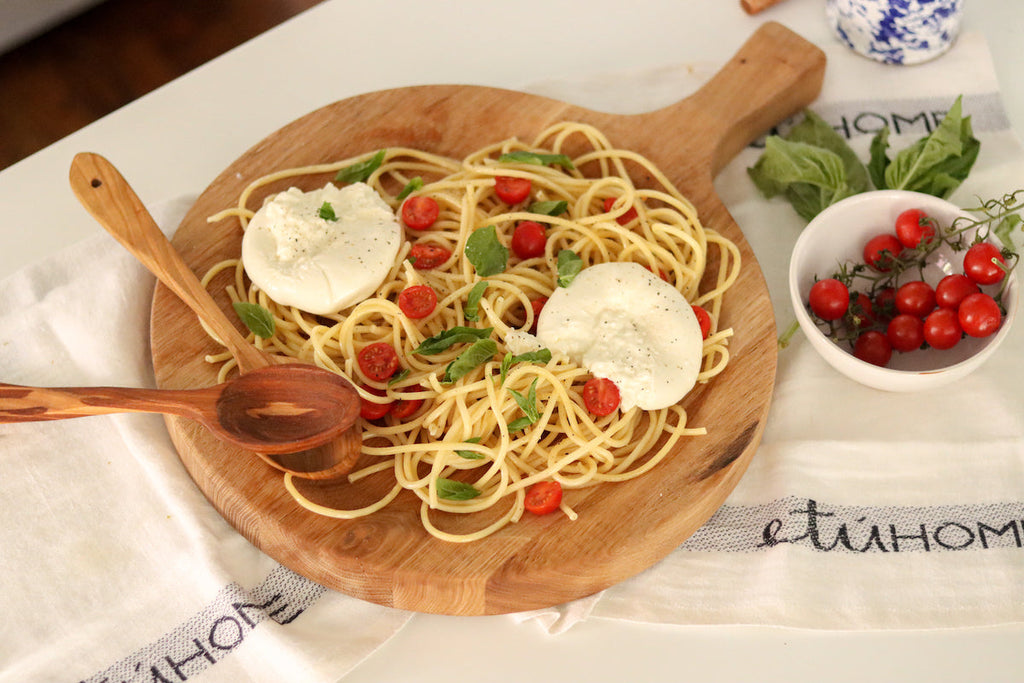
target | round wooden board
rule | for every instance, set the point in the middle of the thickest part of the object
(388, 558)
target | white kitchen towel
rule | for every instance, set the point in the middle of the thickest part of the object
(114, 566)
(861, 509)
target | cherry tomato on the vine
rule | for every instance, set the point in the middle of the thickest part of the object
(862, 312)
(905, 332)
(829, 299)
(427, 256)
(420, 212)
(378, 361)
(982, 263)
(952, 289)
(884, 306)
(979, 315)
(529, 239)
(601, 396)
(914, 226)
(625, 218)
(915, 298)
(511, 189)
(942, 329)
(704, 319)
(543, 497)
(873, 347)
(880, 250)
(417, 301)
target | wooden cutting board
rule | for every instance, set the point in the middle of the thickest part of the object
(622, 529)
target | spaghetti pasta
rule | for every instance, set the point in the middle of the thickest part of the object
(466, 449)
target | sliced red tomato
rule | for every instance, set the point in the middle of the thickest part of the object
(601, 396)
(420, 212)
(537, 305)
(417, 301)
(529, 239)
(704, 318)
(428, 256)
(405, 407)
(378, 361)
(543, 497)
(511, 189)
(370, 410)
(624, 218)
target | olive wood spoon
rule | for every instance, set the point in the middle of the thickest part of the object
(105, 194)
(275, 409)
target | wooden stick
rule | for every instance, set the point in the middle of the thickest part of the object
(755, 6)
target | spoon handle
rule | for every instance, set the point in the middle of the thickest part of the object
(103, 191)
(36, 404)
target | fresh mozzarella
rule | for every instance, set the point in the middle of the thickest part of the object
(295, 252)
(623, 323)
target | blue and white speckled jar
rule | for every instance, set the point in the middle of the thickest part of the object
(896, 31)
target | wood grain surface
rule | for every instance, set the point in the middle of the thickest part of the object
(387, 558)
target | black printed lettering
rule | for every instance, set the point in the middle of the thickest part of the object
(984, 530)
(948, 540)
(219, 631)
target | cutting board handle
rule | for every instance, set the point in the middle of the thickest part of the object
(774, 75)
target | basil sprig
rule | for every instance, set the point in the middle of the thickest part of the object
(360, 171)
(536, 158)
(470, 455)
(485, 252)
(455, 335)
(258, 319)
(472, 310)
(538, 356)
(528, 404)
(410, 187)
(553, 207)
(476, 355)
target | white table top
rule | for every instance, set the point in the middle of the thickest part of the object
(176, 139)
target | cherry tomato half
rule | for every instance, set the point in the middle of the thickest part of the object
(378, 361)
(543, 497)
(873, 347)
(537, 305)
(428, 256)
(982, 263)
(420, 212)
(905, 332)
(511, 189)
(942, 329)
(370, 410)
(979, 315)
(915, 298)
(914, 226)
(953, 289)
(704, 319)
(880, 250)
(829, 299)
(529, 239)
(625, 218)
(405, 407)
(417, 301)
(601, 396)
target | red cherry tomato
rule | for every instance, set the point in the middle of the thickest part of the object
(914, 226)
(915, 298)
(979, 315)
(512, 190)
(370, 410)
(601, 396)
(942, 329)
(528, 239)
(982, 263)
(952, 289)
(873, 347)
(624, 218)
(543, 497)
(862, 312)
(905, 332)
(428, 256)
(884, 306)
(405, 407)
(880, 250)
(829, 299)
(378, 361)
(420, 212)
(417, 301)
(704, 319)
(537, 305)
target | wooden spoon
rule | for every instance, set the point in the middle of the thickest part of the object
(274, 409)
(104, 192)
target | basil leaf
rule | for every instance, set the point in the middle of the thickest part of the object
(879, 160)
(471, 455)
(528, 404)
(569, 266)
(1005, 227)
(554, 207)
(485, 252)
(326, 212)
(479, 353)
(258, 319)
(410, 187)
(398, 376)
(810, 177)
(538, 356)
(537, 159)
(814, 130)
(449, 489)
(472, 311)
(937, 162)
(456, 335)
(361, 170)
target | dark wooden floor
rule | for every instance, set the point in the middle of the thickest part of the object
(112, 54)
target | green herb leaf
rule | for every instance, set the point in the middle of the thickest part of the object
(476, 355)
(938, 163)
(810, 177)
(456, 335)
(398, 376)
(472, 311)
(326, 212)
(485, 252)
(471, 455)
(1005, 227)
(554, 207)
(528, 404)
(449, 489)
(879, 159)
(410, 187)
(537, 159)
(258, 319)
(361, 170)
(539, 356)
(569, 266)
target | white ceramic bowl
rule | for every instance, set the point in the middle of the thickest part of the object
(837, 235)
